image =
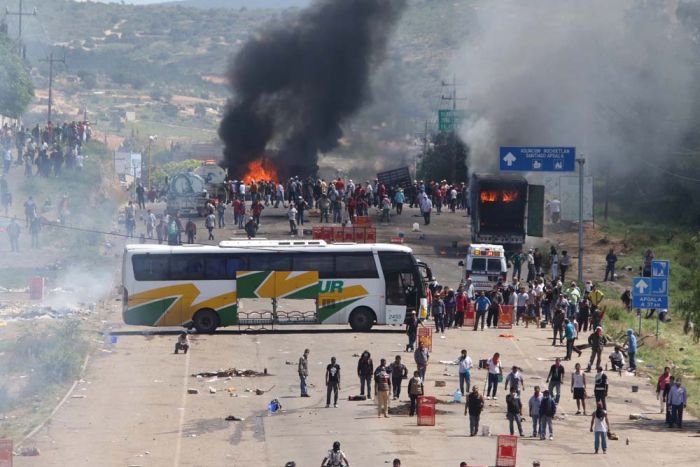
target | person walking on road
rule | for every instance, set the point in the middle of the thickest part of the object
(600, 426)
(190, 231)
(474, 406)
(465, 369)
(514, 379)
(210, 224)
(421, 357)
(578, 388)
(382, 386)
(661, 388)
(678, 400)
(514, 411)
(415, 389)
(570, 335)
(13, 231)
(398, 372)
(534, 410)
(555, 378)
(412, 331)
(632, 349)
(365, 370)
(548, 408)
(335, 457)
(303, 369)
(495, 372)
(332, 382)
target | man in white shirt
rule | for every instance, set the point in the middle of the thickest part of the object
(465, 368)
(678, 400)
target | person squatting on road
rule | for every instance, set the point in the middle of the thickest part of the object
(182, 343)
(335, 457)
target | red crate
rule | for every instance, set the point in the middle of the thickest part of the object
(360, 234)
(363, 221)
(371, 235)
(337, 234)
(426, 411)
(348, 234)
(317, 233)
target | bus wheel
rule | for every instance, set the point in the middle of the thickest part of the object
(361, 319)
(206, 321)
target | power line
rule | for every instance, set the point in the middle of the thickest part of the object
(672, 174)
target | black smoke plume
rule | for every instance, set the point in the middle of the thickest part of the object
(299, 80)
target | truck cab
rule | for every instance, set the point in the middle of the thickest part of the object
(485, 265)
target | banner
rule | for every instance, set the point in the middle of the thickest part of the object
(505, 320)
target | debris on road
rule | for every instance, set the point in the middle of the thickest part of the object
(233, 418)
(192, 391)
(639, 416)
(231, 372)
(29, 451)
(212, 390)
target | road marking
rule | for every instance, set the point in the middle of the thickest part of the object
(178, 444)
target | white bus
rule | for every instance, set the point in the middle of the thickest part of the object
(200, 286)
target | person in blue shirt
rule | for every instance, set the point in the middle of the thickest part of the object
(632, 349)
(570, 334)
(482, 305)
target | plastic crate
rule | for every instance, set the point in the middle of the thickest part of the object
(426, 411)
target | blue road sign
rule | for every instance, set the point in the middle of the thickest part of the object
(531, 159)
(659, 268)
(650, 292)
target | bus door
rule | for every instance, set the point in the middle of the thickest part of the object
(402, 285)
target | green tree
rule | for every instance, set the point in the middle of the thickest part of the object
(16, 87)
(446, 159)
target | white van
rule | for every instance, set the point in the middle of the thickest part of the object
(485, 265)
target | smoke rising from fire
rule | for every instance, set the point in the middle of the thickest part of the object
(615, 79)
(298, 81)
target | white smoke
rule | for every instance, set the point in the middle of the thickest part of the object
(613, 78)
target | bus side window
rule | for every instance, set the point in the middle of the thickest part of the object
(150, 267)
(186, 267)
(233, 265)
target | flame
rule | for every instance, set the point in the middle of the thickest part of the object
(488, 196)
(509, 196)
(260, 169)
(491, 196)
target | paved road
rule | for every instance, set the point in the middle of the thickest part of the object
(136, 410)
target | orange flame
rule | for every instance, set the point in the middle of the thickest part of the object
(259, 170)
(491, 196)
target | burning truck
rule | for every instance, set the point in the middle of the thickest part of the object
(504, 209)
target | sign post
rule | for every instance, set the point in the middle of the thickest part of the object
(651, 293)
(581, 161)
(537, 159)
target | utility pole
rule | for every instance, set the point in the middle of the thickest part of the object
(51, 61)
(581, 161)
(20, 13)
(453, 135)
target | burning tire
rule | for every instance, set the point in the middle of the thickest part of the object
(362, 319)
(206, 321)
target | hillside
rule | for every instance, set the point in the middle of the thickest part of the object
(261, 4)
(167, 62)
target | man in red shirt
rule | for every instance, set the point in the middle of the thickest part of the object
(461, 307)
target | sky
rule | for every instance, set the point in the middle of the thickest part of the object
(238, 3)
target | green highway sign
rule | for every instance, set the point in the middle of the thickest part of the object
(449, 119)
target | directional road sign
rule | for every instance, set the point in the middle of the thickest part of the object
(652, 292)
(536, 159)
(449, 119)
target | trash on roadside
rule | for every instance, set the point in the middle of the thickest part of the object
(212, 390)
(440, 384)
(231, 372)
(233, 418)
(639, 416)
(29, 451)
(192, 391)
(357, 398)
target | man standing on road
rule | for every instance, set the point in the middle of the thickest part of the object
(465, 368)
(548, 408)
(597, 341)
(382, 386)
(555, 378)
(365, 370)
(578, 388)
(332, 382)
(482, 305)
(600, 388)
(474, 405)
(632, 349)
(515, 411)
(610, 260)
(415, 389)
(534, 410)
(570, 334)
(678, 400)
(303, 369)
(13, 231)
(398, 371)
(426, 206)
(514, 379)
(421, 356)
(412, 331)
(564, 262)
